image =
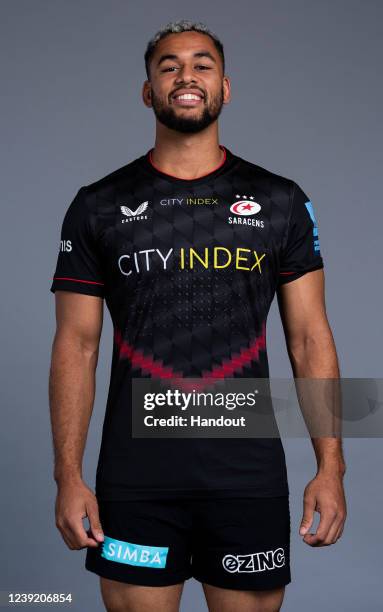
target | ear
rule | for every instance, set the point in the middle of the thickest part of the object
(226, 89)
(147, 93)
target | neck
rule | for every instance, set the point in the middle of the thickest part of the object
(187, 156)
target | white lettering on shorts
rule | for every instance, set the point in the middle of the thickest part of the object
(254, 562)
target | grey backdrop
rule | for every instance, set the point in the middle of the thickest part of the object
(307, 100)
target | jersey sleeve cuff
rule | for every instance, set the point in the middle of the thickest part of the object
(287, 277)
(86, 287)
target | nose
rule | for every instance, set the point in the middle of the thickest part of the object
(186, 75)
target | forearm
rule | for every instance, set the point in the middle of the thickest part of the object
(316, 358)
(71, 397)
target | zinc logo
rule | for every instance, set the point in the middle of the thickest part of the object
(255, 562)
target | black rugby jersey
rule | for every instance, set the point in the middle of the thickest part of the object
(188, 270)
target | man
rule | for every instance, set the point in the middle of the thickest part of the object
(148, 239)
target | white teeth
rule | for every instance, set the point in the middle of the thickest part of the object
(188, 97)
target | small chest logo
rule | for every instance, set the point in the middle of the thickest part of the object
(134, 215)
(244, 208)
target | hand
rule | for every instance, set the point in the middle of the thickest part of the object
(74, 502)
(325, 494)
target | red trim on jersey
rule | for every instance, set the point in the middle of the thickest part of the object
(197, 177)
(287, 273)
(155, 367)
(239, 361)
(76, 280)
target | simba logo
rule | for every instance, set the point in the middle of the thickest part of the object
(134, 215)
(255, 562)
(134, 554)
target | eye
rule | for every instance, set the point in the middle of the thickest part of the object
(169, 69)
(203, 67)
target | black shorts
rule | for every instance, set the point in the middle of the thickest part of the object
(233, 543)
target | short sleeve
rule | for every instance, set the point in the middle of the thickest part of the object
(78, 267)
(301, 252)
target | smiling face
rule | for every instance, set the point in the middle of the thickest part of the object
(187, 88)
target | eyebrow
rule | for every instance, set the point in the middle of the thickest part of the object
(172, 56)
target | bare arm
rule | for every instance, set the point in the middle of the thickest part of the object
(312, 354)
(71, 396)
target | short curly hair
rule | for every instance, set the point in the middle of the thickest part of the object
(176, 27)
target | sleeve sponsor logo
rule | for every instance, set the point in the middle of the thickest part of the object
(310, 209)
(65, 246)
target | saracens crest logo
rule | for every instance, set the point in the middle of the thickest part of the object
(134, 215)
(243, 208)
